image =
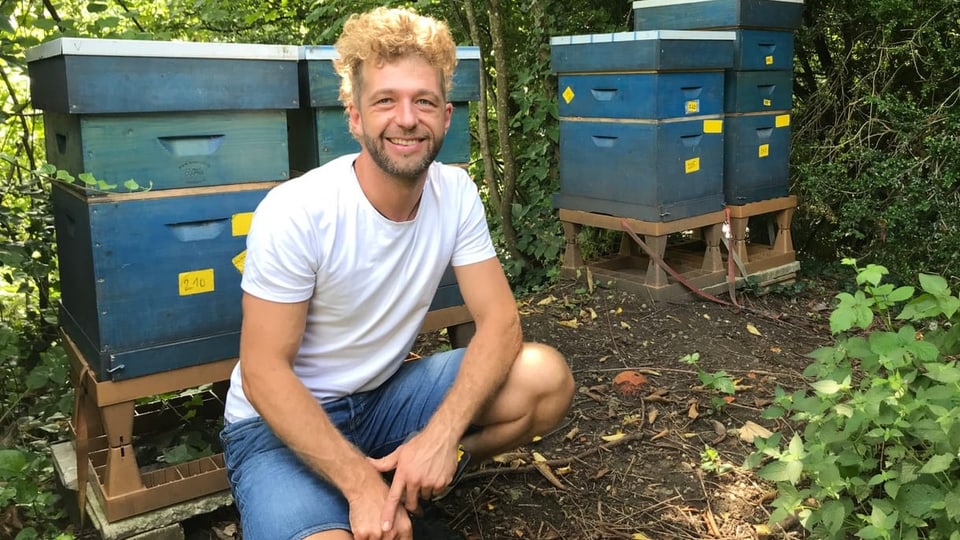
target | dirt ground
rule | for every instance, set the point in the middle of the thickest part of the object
(656, 457)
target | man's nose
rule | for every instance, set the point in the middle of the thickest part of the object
(406, 114)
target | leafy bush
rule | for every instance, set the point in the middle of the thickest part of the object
(878, 454)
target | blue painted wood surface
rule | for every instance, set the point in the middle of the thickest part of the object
(717, 14)
(763, 49)
(758, 91)
(112, 84)
(641, 95)
(154, 270)
(171, 150)
(320, 84)
(642, 55)
(320, 135)
(756, 157)
(649, 170)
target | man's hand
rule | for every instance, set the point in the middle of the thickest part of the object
(367, 522)
(423, 468)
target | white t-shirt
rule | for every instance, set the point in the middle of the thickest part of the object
(370, 280)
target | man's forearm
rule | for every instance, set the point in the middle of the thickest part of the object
(484, 368)
(300, 422)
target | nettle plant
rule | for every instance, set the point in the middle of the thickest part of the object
(878, 453)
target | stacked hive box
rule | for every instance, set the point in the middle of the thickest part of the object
(641, 122)
(319, 133)
(150, 279)
(758, 93)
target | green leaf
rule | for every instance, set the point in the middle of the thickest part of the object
(96, 7)
(919, 499)
(131, 185)
(87, 179)
(12, 461)
(782, 471)
(900, 294)
(832, 513)
(826, 387)
(937, 464)
(942, 373)
(933, 284)
(952, 503)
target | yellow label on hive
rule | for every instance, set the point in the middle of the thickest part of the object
(713, 126)
(693, 106)
(240, 223)
(782, 120)
(691, 165)
(769, 59)
(568, 95)
(239, 260)
(196, 282)
(767, 102)
(764, 150)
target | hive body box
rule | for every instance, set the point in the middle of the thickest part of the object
(758, 88)
(319, 132)
(167, 115)
(698, 14)
(641, 131)
(150, 281)
(757, 157)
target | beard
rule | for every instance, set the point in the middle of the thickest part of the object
(411, 172)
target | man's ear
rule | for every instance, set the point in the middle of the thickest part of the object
(353, 120)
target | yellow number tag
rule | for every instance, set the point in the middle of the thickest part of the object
(196, 282)
(691, 165)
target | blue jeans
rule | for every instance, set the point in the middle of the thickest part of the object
(279, 497)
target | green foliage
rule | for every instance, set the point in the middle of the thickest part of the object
(874, 148)
(718, 381)
(881, 427)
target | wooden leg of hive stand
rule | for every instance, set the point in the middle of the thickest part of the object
(712, 258)
(784, 242)
(572, 258)
(656, 276)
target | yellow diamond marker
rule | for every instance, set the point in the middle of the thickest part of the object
(782, 120)
(568, 95)
(764, 150)
(769, 60)
(691, 165)
(239, 260)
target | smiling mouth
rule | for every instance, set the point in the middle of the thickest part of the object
(404, 142)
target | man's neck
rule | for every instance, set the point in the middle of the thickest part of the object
(397, 199)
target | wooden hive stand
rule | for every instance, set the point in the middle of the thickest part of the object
(699, 262)
(759, 257)
(103, 418)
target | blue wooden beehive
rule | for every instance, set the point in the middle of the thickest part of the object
(641, 122)
(703, 14)
(757, 156)
(319, 132)
(758, 91)
(165, 114)
(150, 281)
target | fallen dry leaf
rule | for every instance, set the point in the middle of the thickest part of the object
(625, 325)
(753, 329)
(547, 301)
(652, 414)
(639, 536)
(538, 458)
(615, 437)
(572, 434)
(692, 412)
(593, 314)
(752, 430)
(776, 350)
(660, 435)
(572, 323)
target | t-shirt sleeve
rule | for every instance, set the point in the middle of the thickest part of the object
(281, 261)
(473, 235)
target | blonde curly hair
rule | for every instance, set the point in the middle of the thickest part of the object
(384, 35)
